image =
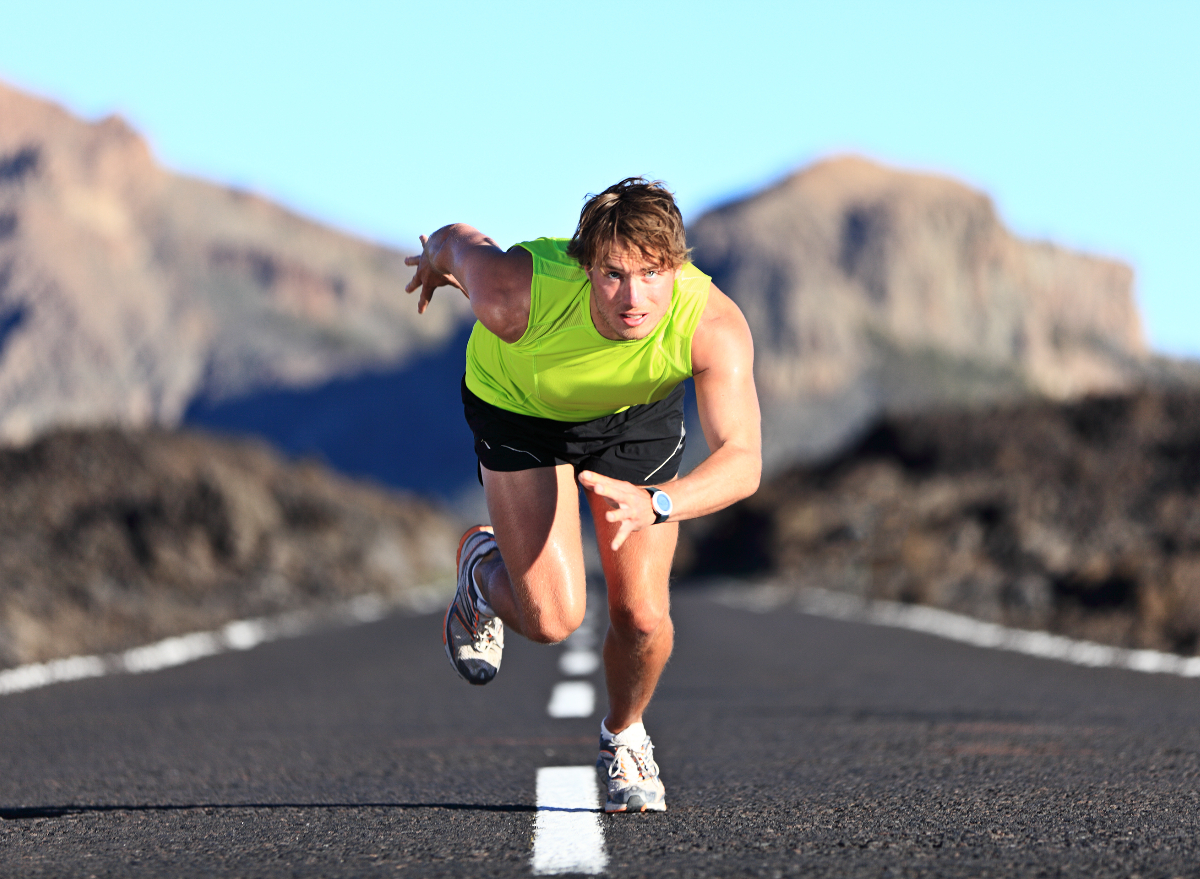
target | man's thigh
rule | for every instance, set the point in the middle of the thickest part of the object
(535, 515)
(639, 573)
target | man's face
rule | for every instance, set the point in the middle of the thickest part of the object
(630, 293)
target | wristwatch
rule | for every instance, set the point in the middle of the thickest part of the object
(660, 502)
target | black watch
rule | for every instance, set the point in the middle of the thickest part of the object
(660, 502)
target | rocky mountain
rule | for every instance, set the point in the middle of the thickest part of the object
(111, 539)
(134, 296)
(1082, 518)
(871, 289)
(127, 291)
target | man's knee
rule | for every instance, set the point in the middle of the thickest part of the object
(641, 620)
(550, 626)
(551, 614)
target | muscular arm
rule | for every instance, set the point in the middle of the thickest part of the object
(723, 368)
(496, 282)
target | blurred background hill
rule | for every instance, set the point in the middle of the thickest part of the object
(135, 296)
(135, 301)
(128, 292)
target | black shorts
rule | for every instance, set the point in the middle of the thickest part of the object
(642, 445)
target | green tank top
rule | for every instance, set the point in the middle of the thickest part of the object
(562, 368)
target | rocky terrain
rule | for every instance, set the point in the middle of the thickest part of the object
(127, 291)
(110, 539)
(870, 289)
(1080, 518)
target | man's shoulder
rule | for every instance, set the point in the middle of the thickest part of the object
(722, 334)
(550, 258)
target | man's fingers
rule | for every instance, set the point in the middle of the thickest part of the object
(623, 532)
(597, 484)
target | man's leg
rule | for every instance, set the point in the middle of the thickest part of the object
(536, 583)
(636, 649)
(640, 633)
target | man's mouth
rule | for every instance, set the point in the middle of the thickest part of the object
(633, 319)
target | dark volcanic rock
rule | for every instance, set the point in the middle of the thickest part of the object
(110, 539)
(1080, 518)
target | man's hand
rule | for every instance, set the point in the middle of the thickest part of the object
(630, 504)
(427, 277)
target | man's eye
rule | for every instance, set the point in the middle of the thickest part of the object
(651, 273)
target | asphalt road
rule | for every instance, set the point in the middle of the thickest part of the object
(789, 745)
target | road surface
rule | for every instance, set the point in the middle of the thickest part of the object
(790, 746)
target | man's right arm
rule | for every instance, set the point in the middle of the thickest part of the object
(496, 282)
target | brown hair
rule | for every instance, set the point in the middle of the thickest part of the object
(637, 213)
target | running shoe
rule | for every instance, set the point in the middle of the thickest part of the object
(473, 642)
(633, 783)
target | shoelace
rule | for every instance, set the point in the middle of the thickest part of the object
(643, 761)
(486, 633)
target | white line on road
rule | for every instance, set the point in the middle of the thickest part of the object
(572, 699)
(956, 627)
(568, 836)
(238, 635)
(578, 663)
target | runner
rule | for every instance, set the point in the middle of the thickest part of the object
(573, 375)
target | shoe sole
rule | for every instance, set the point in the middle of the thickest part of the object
(470, 532)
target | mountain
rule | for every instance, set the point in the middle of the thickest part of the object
(128, 292)
(1080, 518)
(869, 289)
(133, 296)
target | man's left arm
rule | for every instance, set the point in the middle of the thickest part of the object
(723, 370)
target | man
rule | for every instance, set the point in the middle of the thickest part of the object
(573, 376)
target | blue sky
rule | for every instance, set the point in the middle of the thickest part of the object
(1082, 120)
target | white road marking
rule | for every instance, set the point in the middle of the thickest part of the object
(578, 663)
(568, 836)
(238, 635)
(956, 627)
(572, 699)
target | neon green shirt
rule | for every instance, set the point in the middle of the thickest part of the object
(562, 368)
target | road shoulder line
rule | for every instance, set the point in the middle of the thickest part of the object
(765, 597)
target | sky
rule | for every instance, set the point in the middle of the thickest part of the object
(1080, 119)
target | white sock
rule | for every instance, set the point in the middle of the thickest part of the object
(634, 734)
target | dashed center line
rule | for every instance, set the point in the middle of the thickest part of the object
(572, 699)
(568, 836)
(578, 663)
(576, 698)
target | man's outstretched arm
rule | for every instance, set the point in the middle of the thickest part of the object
(496, 282)
(723, 369)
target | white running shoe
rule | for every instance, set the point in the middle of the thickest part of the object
(633, 783)
(473, 642)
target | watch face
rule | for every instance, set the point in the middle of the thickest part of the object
(661, 502)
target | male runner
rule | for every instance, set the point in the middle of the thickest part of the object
(573, 375)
